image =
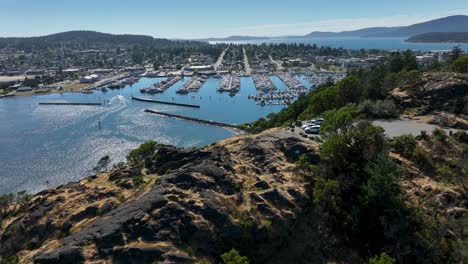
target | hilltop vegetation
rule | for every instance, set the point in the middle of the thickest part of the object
(373, 91)
(79, 40)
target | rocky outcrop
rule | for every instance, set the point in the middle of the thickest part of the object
(435, 92)
(242, 193)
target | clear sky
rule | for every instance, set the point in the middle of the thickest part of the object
(215, 18)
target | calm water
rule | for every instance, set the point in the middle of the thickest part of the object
(44, 146)
(363, 43)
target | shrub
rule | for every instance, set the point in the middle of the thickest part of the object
(143, 153)
(327, 194)
(461, 64)
(404, 145)
(379, 109)
(234, 257)
(423, 159)
(138, 181)
(13, 259)
(382, 259)
(439, 134)
(5, 202)
(461, 136)
(102, 164)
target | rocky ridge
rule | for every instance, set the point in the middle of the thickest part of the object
(439, 98)
(194, 204)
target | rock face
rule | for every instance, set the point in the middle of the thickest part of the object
(436, 92)
(242, 193)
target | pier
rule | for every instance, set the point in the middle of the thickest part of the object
(193, 119)
(164, 102)
(65, 103)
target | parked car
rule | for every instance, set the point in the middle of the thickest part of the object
(315, 129)
(318, 121)
(306, 125)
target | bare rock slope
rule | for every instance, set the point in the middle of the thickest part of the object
(242, 193)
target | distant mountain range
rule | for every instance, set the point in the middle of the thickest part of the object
(447, 24)
(83, 39)
(440, 37)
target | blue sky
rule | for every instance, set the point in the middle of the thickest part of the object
(210, 18)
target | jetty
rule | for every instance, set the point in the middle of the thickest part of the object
(193, 119)
(66, 103)
(163, 102)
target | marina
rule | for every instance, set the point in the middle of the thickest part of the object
(321, 78)
(281, 97)
(117, 128)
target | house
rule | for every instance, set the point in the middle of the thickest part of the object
(425, 60)
(89, 78)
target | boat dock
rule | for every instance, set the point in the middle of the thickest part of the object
(192, 85)
(263, 83)
(161, 86)
(66, 103)
(193, 119)
(290, 81)
(229, 83)
(164, 102)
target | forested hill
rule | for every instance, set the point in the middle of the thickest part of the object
(83, 39)
(440, 37)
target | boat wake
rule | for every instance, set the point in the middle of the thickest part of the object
(119, 99)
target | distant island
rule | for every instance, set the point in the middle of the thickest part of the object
(440, 37)
(450, 24)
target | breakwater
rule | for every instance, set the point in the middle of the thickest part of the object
(65, 103)
(193, 119)
(164, 102)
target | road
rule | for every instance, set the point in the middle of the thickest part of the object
(279, 67)
(220, 60)
(395, 128)
(248, 70)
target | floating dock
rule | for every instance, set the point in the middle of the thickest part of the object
(229, 83)
(192, 85)
(290, 81)
(161, 86)
(65, 103)
(263, 83)
(164, 102)
(193, 119)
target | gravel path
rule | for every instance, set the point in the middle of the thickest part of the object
(398, 127)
